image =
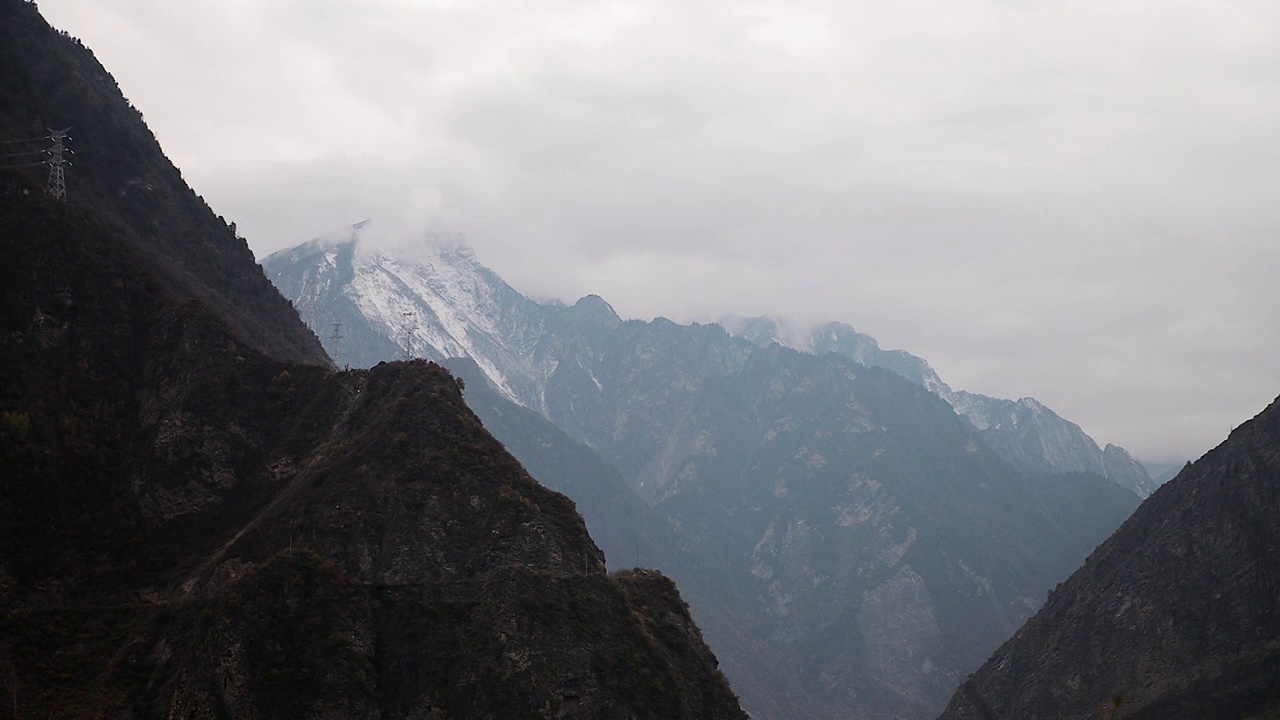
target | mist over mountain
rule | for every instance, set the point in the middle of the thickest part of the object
(432, 298)
(881, 543)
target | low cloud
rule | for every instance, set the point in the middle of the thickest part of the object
(1067, 199)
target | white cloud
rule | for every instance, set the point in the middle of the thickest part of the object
(1062, 198)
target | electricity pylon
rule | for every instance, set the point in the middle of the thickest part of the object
(57, 186)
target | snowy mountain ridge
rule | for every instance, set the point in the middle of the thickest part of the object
(427, 299)
(432, 298)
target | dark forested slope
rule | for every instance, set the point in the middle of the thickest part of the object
(49, 80)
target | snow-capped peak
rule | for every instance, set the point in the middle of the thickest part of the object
(418, 292)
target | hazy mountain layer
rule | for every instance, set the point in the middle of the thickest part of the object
(434, 300)
(1025, 432)
(883, 547)
(888, 547)
(631, 533)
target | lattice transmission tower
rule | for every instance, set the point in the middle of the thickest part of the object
(57, 186)
(410, 327)
(336, 337)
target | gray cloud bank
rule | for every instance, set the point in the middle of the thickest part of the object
(1072, 200)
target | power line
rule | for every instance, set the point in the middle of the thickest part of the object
(24, 153)
(22, 140)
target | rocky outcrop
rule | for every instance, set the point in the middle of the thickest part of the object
(280, 540)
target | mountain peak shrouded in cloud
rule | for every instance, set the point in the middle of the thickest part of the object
(430, 295)
(407, 238)
(1044, 208)
(1072, 200)
(860, 531)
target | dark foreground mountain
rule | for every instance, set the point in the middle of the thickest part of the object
(865, 538)
(48, 79)
(194, 524)
(1177, 615)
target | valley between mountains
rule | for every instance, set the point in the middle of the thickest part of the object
(852, 535)
(349, 482)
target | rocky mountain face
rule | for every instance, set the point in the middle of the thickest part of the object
(1177, 615)
(631, 533)
(201, 519)
(1024, 432)
(882, 542)
(430, 300)
(880, 546)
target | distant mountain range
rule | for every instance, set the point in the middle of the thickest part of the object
(1024, 432)
(433, 299)
(870, 540)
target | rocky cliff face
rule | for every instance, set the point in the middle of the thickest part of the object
(1177, 615)
(631, 533)
(197, 525)
(885, 545)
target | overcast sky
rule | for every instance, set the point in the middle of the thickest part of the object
(1070, 200)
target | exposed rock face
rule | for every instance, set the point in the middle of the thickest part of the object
(886, 545)
(196, 525)
(630, 532)
(1177, 615)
